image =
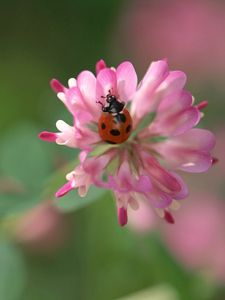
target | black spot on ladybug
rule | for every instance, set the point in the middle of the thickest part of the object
(103, 126)
(128, 128)
(110, 142)
(115, 132)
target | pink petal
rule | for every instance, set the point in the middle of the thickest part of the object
(122, 216)
(163, 179)
(86, 82)
(83, 156)
(87, 140)
(180, 123)
(197, 139)
(144, 101)
(124, 181)
(165, 185)
(168, 217)
(143, 185)
(106, 81)
(48, 136)
(95, 167)
(57, 86)
(190, 151)
(66, 188)
(129, 184)
(202, 105)
(100, 66)
(200, 162)
(175, 115)
(126, 81)
(73, 100)
(67, 134)
(184, 192)
(192, 161)
(174, 82)
(185, 121)
(159, 199)
(157, 72)
(82, 118)
(175, 103)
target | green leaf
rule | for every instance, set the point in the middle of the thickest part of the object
(57, 179)
(143, 124)
(160, 292)
(12, 272)
(16, 204)
(73, 201)
(24, 157)
(25, 163)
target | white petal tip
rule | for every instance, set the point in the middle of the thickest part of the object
(72, 82)
(61, 96)
(190, 164)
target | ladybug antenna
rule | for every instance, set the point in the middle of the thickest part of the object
(109, 94)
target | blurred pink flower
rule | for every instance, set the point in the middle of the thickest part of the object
(219, 152)
(214, 179)
(197, 239)
(42, 228)
(189, 33)
(158, 139)
(142, 220)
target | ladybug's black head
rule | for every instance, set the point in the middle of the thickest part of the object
(110, 98)
(105, 109)
(113, 105)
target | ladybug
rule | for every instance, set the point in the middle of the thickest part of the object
(115, 123)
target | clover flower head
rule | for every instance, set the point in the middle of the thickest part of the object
(133, 137)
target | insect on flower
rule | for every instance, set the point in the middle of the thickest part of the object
(133, 138)
(115, 123)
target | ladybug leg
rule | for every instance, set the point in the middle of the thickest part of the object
(99, 102)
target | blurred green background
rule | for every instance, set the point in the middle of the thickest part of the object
(72, 250)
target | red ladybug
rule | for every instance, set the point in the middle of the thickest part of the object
(115, 123)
